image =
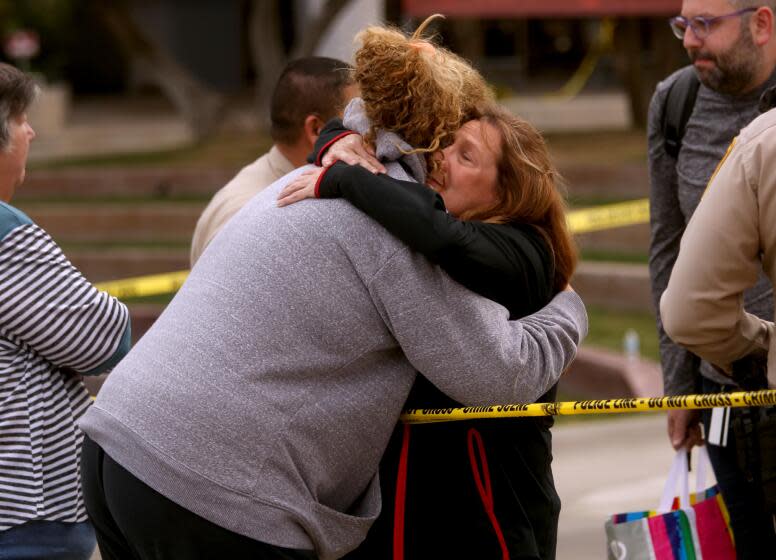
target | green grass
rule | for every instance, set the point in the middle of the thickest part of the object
(607, 328)
(599, 255)
(161, 299)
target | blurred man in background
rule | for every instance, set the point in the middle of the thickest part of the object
(309, 92)
(733, 53)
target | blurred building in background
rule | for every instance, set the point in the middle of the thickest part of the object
(200, 53)
(539, 45)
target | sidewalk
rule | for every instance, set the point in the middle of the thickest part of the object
(586, 112)
(109, 126)
(120, 125)
(603, 467)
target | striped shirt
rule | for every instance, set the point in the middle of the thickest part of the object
(54, 325)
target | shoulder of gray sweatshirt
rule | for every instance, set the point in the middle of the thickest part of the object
(263, 397)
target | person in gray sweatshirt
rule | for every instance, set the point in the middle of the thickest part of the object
(250, 419)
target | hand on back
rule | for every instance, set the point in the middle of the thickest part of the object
(349, 149)
(352, 150)
(303, 186)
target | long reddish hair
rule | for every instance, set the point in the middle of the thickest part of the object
(529, 189)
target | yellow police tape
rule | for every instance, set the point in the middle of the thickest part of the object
(580, 221)
(604, 43)
(609, 216)
(143, 286)
(610, 406)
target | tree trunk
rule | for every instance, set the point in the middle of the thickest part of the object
(267, 52)
(313, 33)
(669, 52)
(629, 35)
(200, 106)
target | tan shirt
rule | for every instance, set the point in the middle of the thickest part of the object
(731, 232)
(231, 198)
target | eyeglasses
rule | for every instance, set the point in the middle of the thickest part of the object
(701, 26)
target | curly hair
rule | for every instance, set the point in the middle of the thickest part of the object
(529, 189)
(422, 92)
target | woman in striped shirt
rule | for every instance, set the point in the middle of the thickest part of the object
(54, 327)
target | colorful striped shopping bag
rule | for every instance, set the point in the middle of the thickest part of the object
(687, 527)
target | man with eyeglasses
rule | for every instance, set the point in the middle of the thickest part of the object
(732, 48)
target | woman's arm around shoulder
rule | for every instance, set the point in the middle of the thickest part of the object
(510, 264)
(465, 345)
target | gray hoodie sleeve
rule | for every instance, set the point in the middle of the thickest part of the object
(465, 344)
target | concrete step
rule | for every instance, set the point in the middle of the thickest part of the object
(112, 126)
(589, 181)
(157, 223)
(132, 182)
(166, 222)
(99, 266)
(593, 180)
(601, 111)
(598, 373)
(627, 240)
(614, 285)
(625, 180)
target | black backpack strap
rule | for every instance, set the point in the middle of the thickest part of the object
(768, 100)
(678, 108)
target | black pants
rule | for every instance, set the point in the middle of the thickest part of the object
(752, 525)
(134, 522)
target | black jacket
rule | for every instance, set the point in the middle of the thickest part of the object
(512, 265)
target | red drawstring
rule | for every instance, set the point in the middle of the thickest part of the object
(401, 497)
(485, 491)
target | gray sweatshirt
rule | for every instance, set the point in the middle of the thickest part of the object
(264, 395)
(390, 148)
(676, 187)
